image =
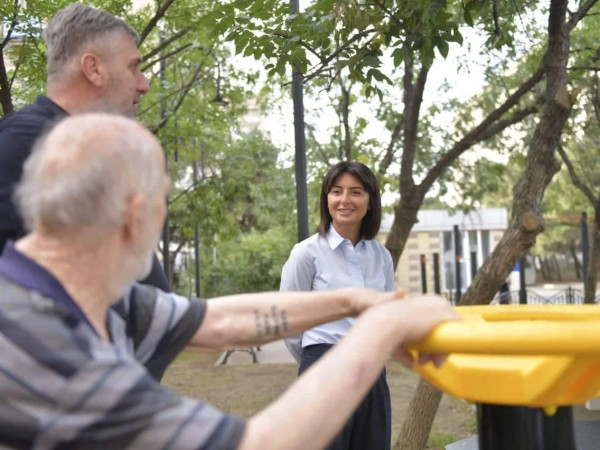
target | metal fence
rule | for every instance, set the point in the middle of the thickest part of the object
(567, 296)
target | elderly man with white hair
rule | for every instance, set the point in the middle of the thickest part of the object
(72, 369)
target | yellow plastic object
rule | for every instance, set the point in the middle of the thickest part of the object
(523, 355)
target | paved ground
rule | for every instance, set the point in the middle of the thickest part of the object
(272, 353)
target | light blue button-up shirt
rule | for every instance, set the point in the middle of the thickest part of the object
(318, 264)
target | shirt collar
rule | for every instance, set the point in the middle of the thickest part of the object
(23, 270)
(48, 104)
(334, 239)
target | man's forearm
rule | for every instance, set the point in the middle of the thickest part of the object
(253, 319)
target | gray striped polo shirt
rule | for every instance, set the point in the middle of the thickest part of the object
(61, 386)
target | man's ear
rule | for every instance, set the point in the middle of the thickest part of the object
(134, 217)
(93, 69)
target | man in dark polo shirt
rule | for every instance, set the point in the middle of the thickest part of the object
(72, 369)
(93, 65)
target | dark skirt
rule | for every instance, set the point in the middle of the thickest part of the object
(369, 427)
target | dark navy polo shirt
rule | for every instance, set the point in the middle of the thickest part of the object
(18, 134)
(23, 270)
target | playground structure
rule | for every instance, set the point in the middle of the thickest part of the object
(524, 366)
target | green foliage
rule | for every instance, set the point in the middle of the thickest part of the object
(331, 36)
(250, 263)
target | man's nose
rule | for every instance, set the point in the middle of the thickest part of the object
(143, 84)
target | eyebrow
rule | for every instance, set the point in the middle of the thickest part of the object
(351, 187)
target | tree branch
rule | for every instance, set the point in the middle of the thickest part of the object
(165, 56)
(345, 113)
(391, 148)
(165, 43)
(324, 61)
(579, 14)
(154, 20)
(317, 144)
(577, 182)
(162, 99)
(181, 194)
(587, 68)
(11, 28)
(389, 13)
(301, 42)
(474, 136)
(186, 90)
(15, 70)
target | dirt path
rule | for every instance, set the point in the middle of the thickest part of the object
(245, 389)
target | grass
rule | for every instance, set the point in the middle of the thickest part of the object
(246, 389)
(438, 439)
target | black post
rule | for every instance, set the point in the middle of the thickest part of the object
(585, 244)
(166, 238)
(522, 289)
(436, 273)
(300, 144)
(196, 239)
(473, 264)
(166, 234)
(519, 428)
(423, 275)
(457, 258)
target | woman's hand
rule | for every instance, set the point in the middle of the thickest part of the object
(365, 298)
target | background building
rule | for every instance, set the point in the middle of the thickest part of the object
(432, 238)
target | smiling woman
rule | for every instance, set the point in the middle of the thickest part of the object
(344, 253)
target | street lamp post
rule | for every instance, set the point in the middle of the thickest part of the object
(300, 144)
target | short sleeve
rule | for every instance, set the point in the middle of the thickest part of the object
(160, 324)
(297, 275)
(389, 270)
(298, 272)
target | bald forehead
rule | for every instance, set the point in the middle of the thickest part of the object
(82, 139)
(99, 130)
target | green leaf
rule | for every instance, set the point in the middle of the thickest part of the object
(468, 17)
(443, 47)
(398, 55)
(280, 66)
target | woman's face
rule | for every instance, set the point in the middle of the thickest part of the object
(347, 201)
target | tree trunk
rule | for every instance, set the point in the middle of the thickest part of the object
(5, 92)
(405, 216)
(557, 268)
(345, 133)
(526, 222)
(591, 277)
(545, 274)
(414, 435)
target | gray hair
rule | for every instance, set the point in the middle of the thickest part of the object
(77, 25)
(82, 174)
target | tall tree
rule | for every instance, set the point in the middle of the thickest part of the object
(526, 221)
